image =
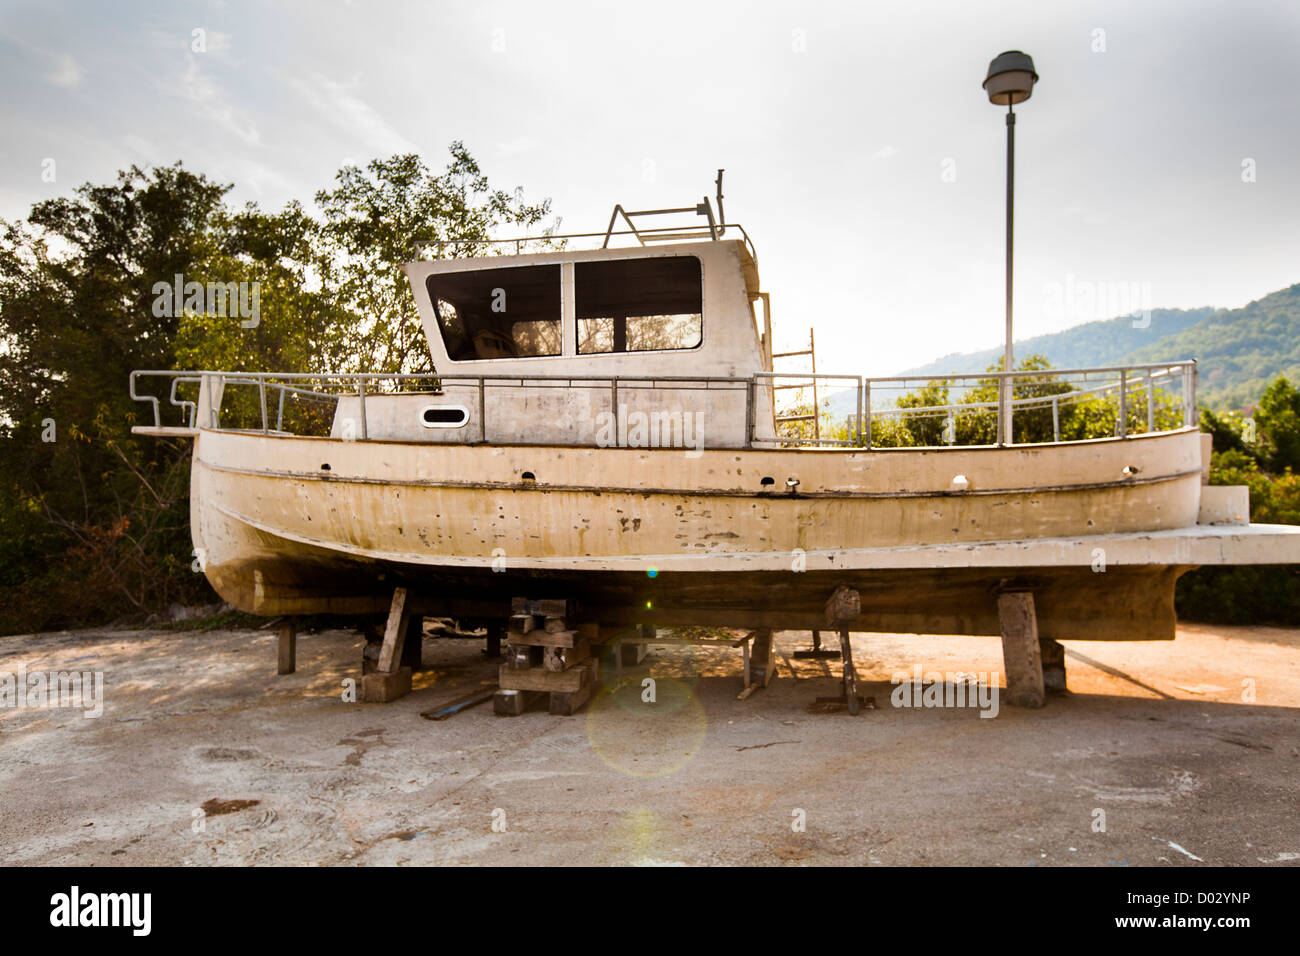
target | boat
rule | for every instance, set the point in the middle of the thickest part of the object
(607, 426)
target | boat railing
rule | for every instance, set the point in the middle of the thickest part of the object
(1130, 400)
(713, 228)
(928, 411)
(560, 241)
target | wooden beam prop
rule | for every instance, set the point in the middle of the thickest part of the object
(843, 606)
(288, 662)
(394, 633)
(761, 665)
(413, 648)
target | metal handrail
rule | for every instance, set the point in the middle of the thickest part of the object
(859, 433)
(654, 233)
(1184, 369)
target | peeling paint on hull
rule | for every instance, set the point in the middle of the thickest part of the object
(283, 534)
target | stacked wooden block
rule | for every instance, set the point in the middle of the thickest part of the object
(545, 656)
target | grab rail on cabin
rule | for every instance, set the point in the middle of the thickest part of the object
(1131, 394)
(550, 242)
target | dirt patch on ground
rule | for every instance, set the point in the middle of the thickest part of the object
(1164, 753)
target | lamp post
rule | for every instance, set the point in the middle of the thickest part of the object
(1010, 81)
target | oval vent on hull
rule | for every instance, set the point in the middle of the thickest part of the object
(444, 416)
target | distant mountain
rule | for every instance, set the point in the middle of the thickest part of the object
(1102, 342)
(1238, 351)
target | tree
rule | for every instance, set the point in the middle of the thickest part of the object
(95, 523)
(1277, 419)
(370, 224)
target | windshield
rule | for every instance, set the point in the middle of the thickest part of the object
(498, 313)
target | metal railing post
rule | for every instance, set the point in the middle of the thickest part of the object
(279, 415)
(613, 404)
(750, 400)
(1056, 418)
(261, 394)
(1010, 383)
(1123, 403)
(866, 412)
(1151, 403)
(361, 402)
(857, 424)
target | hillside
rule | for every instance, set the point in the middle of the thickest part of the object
(1102, 342)
(1239, 350)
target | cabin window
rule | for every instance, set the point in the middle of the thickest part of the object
(498, 313)
(638, 305)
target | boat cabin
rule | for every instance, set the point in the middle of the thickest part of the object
(639, 347)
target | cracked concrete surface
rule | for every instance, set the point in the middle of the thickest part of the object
(1156, 736)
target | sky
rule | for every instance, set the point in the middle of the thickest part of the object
(1157, 162)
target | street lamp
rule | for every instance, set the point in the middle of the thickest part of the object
(1010, 81)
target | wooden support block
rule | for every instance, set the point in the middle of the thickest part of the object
(494, 634)
(554, 625)
(1020, 651)
(413, 647)
(537, 638)
(843, 606)
(288, 646)
(390, 654)
(379, 687)
(512, 703)
(1053, 657)
(761, 664)
(522, 623)
(538, 678)
(850, 674)
(558, 659)
(565, 704)
(546, 607)
(523, 656)
(633, 654)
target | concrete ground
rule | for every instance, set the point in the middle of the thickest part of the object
(1156, 743)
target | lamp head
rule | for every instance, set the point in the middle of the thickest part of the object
(1011, 78)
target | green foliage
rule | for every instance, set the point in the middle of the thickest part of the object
(370, 222)
(1245, 594)
(975, 420)
(95, 523)
(1278, 421)
(1238, 351)
(1263, 593)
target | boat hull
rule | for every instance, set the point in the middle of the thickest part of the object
(294, 525)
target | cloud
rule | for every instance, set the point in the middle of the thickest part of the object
(67, 72)
(520, 144)
(339, 103)
(885, 152)
(201, 91)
